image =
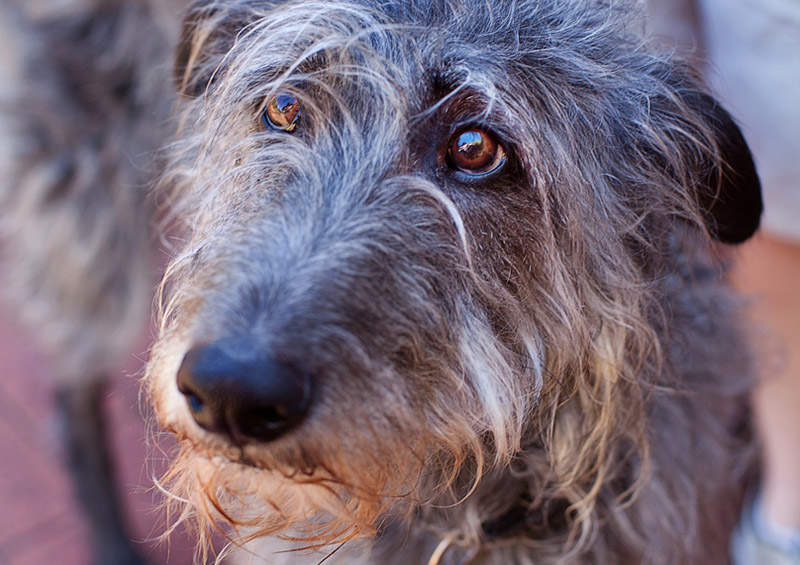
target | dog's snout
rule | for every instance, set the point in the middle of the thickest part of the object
(231, 389)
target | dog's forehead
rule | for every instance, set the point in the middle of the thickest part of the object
(412, 46)
(368, 74)
(424, 49)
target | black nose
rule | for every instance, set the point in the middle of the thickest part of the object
(232, 389)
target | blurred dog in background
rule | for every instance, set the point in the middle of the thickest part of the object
(86, 97)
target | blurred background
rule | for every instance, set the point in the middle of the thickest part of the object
(39, 520)
(749, 54)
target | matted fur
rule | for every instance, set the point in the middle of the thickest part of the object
(555, 344)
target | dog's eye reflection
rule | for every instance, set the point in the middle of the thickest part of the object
(475, 153)
(282, 112)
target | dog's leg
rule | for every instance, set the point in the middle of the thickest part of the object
(84, 440)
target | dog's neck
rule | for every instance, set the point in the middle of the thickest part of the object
(458, 538)
(447, 545)
(505, 526)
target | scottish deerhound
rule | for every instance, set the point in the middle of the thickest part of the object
(451, 287)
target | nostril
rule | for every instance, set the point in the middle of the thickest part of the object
(194, 402)
(230, 388)
(205, 414)
(264, 421)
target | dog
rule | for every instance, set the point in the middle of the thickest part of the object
(84, 107)
(451, 287)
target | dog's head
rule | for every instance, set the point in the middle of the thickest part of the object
(421, 240)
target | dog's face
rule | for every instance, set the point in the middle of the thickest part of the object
(419, 242)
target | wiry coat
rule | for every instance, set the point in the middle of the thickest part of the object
(539, 366)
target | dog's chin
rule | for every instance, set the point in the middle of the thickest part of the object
(287, 487)
(250, 491)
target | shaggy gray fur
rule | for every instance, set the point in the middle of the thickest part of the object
(541, 365)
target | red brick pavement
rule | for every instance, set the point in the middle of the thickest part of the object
(39, 524)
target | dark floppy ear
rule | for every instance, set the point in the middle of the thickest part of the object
(209, 31)
(729, 194)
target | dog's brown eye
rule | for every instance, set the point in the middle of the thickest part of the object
(476, 153)
(282, 112)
